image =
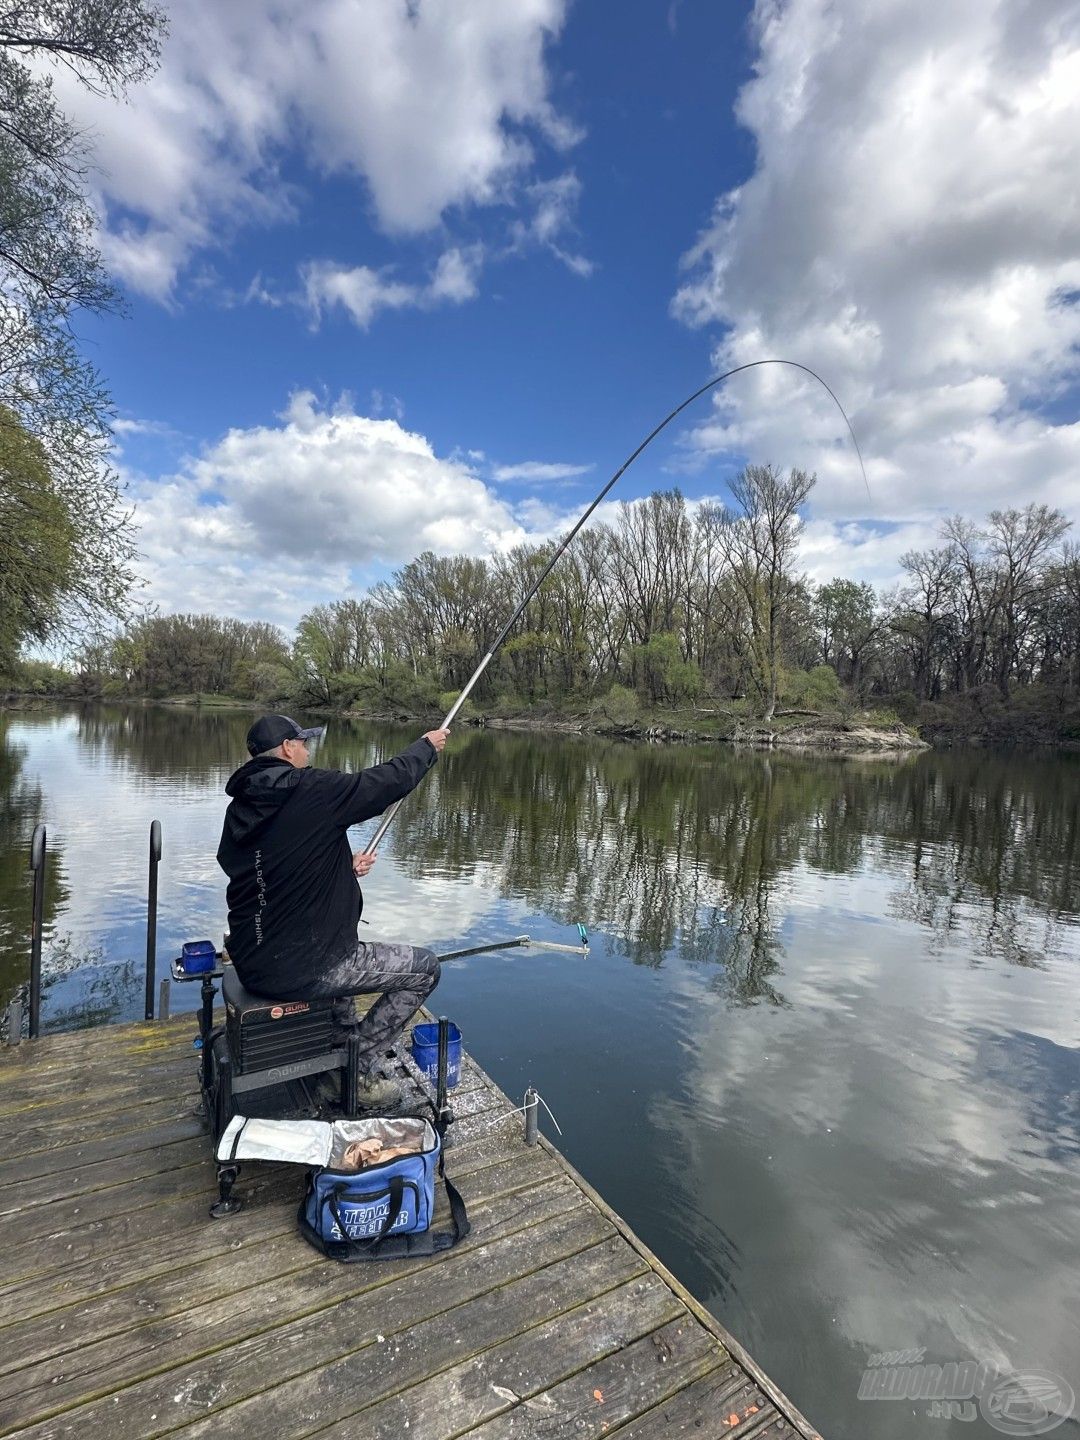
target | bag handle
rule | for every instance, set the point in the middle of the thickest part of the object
(367, 1247)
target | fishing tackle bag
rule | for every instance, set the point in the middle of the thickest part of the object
(384, 1211)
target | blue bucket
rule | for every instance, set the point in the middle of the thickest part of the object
(425, 1050)
(197, 957)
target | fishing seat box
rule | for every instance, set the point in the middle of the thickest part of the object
(265, 1044)
(276, 1034)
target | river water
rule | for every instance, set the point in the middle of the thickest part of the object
(822, 1054)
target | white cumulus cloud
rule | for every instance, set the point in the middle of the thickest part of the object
(431, 106)
(911, 230)
(273, 519)
(362, 292)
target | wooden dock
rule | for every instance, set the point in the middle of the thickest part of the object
(125, 1311)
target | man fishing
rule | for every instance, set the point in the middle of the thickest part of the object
(294, 902)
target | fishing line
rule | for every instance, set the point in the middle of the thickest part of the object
(388, 818)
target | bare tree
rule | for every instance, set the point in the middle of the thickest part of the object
(760, 543)
(924, 616)
(1019, 541)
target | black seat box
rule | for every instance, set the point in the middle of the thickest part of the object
(265, 1033)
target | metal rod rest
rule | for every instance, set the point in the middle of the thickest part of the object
(151, 916)
(553, 945)
(483, 949)
(38, 853)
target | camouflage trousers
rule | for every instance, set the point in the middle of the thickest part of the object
(403, 976)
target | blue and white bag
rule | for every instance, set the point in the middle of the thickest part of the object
(384, 1211)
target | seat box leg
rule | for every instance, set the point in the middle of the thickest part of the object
(225, 1204)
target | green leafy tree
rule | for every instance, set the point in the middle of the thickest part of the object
(50, 269)
(37, 541)
(666, 675)
(846, 625)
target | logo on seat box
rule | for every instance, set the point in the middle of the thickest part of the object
(286, 1072)
(295, 1007)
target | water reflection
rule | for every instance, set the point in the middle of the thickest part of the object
(161, 742)
(831, 1005)
(22, 808)
(694, 850)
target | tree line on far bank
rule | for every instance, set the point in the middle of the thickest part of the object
(672, 607)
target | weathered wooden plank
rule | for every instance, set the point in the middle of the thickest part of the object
(631, 1380)
(709, 1321)
(138, 1040)
(52, 1131)
(396, 1302)
(52, 1055)
(63, 1218)
(39, 1138)
(19, 1201)
(41, 1164)
(107, 1330)
(97, 1041)
(88, 1090)
(175, 1232)
(509, 1373)
(85, 1369)
(108, 1050)
(152, 1237)
(474, 1102)
(779, 1428)
(227, 1271)
(706, 1407)
(75, 1209)
(407, 1354)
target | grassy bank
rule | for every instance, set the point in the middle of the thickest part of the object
(1032, 717)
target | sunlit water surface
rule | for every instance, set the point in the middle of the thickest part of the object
(822, 1055)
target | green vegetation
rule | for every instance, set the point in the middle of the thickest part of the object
(66, 547)
(671, 620)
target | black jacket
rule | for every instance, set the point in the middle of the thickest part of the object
(294, 903)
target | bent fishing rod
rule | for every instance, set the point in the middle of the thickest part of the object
(493, 648)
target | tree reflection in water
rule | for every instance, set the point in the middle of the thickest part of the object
(689, 849)
(22, 807)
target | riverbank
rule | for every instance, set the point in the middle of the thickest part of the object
(1030, 720)
(869, 732)
(821, 733)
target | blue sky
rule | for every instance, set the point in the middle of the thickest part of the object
(420, 276)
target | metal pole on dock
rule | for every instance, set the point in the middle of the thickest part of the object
(151, 916)
(14, 1019)
(532, 1116)
(37, 865)
(443, 1065)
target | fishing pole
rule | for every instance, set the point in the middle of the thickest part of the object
(388, 818)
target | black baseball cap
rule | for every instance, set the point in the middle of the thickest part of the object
(270, 730)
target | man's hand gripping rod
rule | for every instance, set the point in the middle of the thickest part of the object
(388, 818)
